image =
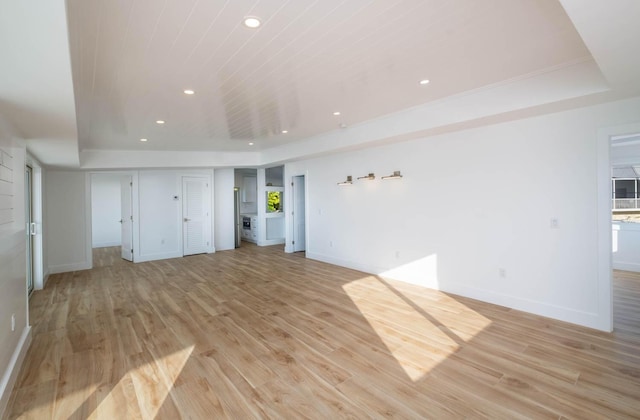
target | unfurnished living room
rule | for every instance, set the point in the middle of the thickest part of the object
(319, 209)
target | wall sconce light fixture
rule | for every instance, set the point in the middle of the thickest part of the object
(349, 181)
(395, 175)
(369, 177)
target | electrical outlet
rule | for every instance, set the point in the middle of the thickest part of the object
(330, 244)
(553, 223)
(13, 322)
(502, 272)
(397, 254)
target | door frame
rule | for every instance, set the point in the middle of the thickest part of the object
(30, 229)
(289, 219)
(135, 212)
(294, 198)
(605, 265)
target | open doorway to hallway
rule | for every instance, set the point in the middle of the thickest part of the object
(111, 218)
(625, 202)
(625, 225)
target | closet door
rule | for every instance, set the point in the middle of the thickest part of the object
(196, 215)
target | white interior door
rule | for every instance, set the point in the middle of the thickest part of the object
(126, 217)
(298, 214)
(196, 215)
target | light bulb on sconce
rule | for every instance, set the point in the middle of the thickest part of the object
(349, 181)
(395, 175)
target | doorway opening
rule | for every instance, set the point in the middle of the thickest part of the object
(111, 218)
(625, 223)
(608, 157)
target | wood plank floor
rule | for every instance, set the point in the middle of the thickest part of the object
(256, 333)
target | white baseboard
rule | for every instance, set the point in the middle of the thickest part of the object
(159, 256)
(65, 268)
(11, 374)
(367, 268)
(587, 319)
(269, 242)
(105, 244)
(561, 313)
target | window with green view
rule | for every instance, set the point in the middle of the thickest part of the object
(274, 201)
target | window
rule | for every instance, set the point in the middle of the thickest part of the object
(625, 199)
(274, 201)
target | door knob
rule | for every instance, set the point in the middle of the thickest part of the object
(187, 220)
(120, 220)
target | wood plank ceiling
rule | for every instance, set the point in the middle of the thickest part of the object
(131, 61)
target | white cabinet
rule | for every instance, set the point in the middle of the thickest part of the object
(250, 235)
(246, 234)
(249, 189)
(254, 229)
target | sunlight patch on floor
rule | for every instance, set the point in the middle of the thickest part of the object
(70, 404)
(151, 383)
(417, 339)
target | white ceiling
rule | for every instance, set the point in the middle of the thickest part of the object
(131, 60)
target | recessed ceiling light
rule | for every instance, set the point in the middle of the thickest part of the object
(143, 140)
(424, 81)
(189, 92)
(284, 131)
(250, 143)
(251, 22)
(336, 113)
(160, 122)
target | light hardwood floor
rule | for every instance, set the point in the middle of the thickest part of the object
(256, 333)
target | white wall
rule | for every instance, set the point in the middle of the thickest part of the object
(67, 215)
(224, 216)
(157, 216)
(13, 295)
(626, 246)
(423, 229)
(159, 220)
(105, 210)
(160, 213)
